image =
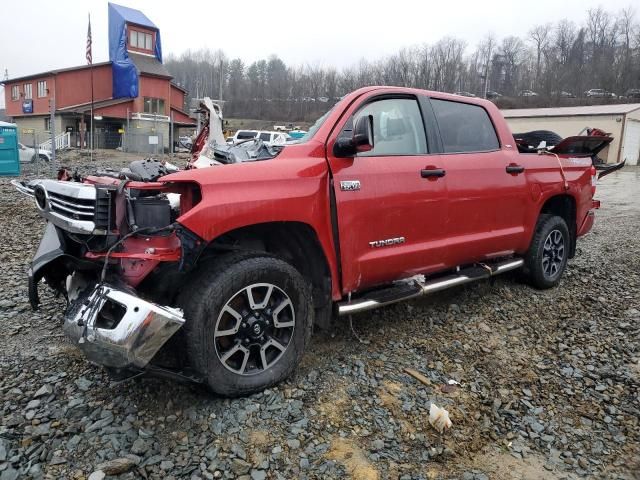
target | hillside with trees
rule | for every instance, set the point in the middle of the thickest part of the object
(602, 51)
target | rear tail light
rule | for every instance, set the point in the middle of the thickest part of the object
(594, 180)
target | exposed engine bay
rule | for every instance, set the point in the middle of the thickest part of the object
(110, 224)
(113, 248)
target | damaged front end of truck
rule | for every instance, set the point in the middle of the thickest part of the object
(115, 249)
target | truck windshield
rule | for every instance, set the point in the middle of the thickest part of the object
(315, 127)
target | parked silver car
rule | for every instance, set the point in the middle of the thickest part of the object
(599, 93)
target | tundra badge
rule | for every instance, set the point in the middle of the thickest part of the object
(349, 185)
(387, 242)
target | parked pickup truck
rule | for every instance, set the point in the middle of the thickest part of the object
(219, 274)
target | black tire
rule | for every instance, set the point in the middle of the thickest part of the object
(544, 266)
(222, 286)
(44, 158)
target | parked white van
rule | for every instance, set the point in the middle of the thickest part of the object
(273, 138)
(269, 138)
(241, 135)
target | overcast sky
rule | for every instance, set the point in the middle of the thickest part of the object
(39, 35)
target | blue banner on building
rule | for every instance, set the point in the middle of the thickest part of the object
(125, 75)
(27, 106)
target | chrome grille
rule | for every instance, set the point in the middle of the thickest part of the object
(68, 205)
(75, 208)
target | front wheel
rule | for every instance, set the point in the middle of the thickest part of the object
(248, 321)
(547, 257)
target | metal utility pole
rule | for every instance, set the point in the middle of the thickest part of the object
(52, 127)
(36, 145)
(126, 133)
(171, 139)
(155, 131)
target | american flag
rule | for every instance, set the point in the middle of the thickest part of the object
(89, 57)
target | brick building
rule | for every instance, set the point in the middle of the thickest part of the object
(133, 92)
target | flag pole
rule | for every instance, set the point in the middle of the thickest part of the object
(91, 68)
(90, 60)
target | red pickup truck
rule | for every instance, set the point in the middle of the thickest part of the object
(220, 273)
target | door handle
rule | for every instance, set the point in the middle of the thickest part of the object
(514, 169)
(432, 172)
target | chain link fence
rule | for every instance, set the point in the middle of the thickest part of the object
(142, 143)
(150, 144)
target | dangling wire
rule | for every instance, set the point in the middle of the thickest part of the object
(365, 342)
(119, 242)
(564, 178)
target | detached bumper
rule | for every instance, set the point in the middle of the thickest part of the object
(117, 329)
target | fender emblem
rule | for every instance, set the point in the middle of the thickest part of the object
(386, 243)
(349, 185)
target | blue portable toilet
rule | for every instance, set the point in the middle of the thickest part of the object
(9, 158)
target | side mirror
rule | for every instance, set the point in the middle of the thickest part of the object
(360, 141)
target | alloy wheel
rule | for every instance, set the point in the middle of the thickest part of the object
(553, 253)
(254, 329)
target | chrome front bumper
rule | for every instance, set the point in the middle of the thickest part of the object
(117, 329)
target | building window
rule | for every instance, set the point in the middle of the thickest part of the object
(27, 91)
(42, 88)
(47, 124)
(141, 40)
(154, 105)
(15, 92)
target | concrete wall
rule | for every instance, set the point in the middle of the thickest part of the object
(139, 132)
(37, 124)
(572, 125)
(631, 140)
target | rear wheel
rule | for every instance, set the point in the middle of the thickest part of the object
(248, 321)
(547, 257)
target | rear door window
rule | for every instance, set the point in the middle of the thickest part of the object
(265, 137)
(464, 127)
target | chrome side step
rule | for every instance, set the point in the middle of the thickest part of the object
(416, 287)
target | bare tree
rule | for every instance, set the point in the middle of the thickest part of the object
(485, 52)
(540, 36)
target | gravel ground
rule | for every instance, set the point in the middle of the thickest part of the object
(548, 382)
